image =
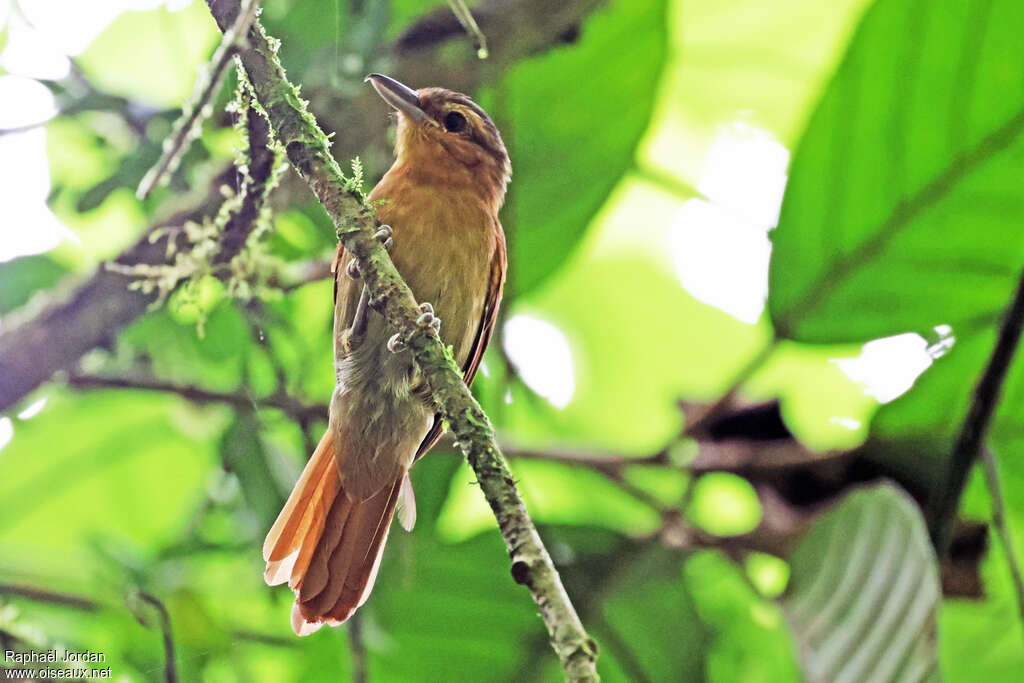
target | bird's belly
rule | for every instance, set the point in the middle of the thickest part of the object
(443, 252)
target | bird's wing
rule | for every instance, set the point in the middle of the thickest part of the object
(488, 319)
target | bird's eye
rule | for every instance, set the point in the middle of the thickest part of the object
(454, 122)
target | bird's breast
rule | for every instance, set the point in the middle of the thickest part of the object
(444, 243)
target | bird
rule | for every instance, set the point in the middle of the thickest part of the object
(438, 207)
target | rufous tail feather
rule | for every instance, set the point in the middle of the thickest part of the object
(328, 546)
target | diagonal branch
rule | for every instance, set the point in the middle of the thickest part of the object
(307, 149)
(1002, 527)
(465, 18)
(53, 597)
(94, 312)
(188, 127)
(969, 443)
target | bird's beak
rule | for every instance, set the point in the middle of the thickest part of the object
(401, 97)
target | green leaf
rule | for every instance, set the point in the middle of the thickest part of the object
(152, 56)
(243, 453)
(23, 277)
(903, 207)
(571, 136)
(864, 592)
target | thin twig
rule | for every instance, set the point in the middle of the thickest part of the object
(1001, 525)
(295, 275)
(609, 465)
(89, 97)
(596, 460)
(309, 154)
(968, 445)
(52, 597)
(263, 638)
(360, 672)
(86, 96)
(170, 667)
(87, 604)
(667, 181)
(279, 400)
(188, 126)
(465, 18)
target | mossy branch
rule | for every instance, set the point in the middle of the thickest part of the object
(189, 125)
(225, 246)
(308, 151)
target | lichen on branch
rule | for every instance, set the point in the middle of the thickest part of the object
(308, 151)
(226, 246)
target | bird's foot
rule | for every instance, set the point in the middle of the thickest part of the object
(352, 269)
(385, 236)
(427, 320)
(396, 344)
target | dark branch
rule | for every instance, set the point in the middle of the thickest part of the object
(52, 597)
(1002, 526)
(279, 400)
(360, 673)
(170, 667)
(968, 445)
(98, 309)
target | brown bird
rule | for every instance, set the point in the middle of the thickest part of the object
(441, 199)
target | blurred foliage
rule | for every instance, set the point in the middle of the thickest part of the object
(899, 216)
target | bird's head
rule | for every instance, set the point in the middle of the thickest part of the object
(447, 134)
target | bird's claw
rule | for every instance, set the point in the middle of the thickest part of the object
(353, 269)
(427, 319)
(385, 237)
(396, 344)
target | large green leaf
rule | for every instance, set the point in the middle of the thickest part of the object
(903, 210)
(572, 136)
(864, 592)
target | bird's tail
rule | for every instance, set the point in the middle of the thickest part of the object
(326, 545)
